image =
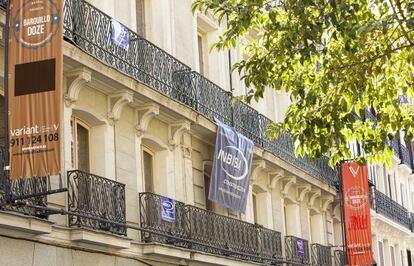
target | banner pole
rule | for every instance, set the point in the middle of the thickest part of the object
(341, 202)
(6, 156)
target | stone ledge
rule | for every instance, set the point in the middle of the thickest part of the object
(99, 238)
(167, 251)
(28, 224)
(219, 260)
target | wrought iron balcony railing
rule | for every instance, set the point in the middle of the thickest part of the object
(412, 222)
(297, 250)
(89, 29)
(405, 156)
(32, 190)
(384, 205)
(99, 197)
(321, 255)
(202, 230)
(340, 257)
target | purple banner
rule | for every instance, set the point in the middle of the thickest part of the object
(300, 246)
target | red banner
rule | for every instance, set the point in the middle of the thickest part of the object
(357, 215)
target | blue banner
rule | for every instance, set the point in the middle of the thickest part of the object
(119, 35)
(232, 163)
(167, 209)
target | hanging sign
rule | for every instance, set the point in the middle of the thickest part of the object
(167, 209)
(357, 215)
(35, 87)
(300, 247)
(119, 35)
(233, 157)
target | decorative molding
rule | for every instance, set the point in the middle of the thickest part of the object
(315, 193)
(286, 184)
(75, 80)
(336, 213)
(302, 191)
(176, 131)
(117, 102)
(275, 176)
(257, 166)
(144, 114)
(187, 150)
(326, 201)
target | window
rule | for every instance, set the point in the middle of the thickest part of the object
(389, 186)
(140, 14)
(209, 205)
(402, 192)
(254, 208)
(80, 145)
(148, 170)
(201, 53)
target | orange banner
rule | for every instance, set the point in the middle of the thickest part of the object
(35, 87)
(357, 215)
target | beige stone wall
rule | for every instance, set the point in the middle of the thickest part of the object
(16, 252)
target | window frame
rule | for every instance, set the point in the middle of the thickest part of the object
(74, 149)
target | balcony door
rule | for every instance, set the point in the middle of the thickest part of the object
(148, 169)
(80, 145)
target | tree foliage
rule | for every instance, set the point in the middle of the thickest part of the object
(337, 59)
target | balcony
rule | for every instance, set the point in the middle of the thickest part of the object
(384, 205)
(321, 255)
(205, 231)
(89, 29)
(297, 250)
(340, 257)
(96, 197)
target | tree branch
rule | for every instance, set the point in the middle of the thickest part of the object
(399, 21)
(372, 59)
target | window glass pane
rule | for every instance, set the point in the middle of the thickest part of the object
(207, 191)
(148, 172)
(140, 7)
(83, 147)
(200, 54)
(255, 208)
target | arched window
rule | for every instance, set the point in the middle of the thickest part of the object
(80, 145)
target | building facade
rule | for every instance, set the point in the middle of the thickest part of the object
(139, 126)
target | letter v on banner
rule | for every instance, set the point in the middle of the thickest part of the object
(357, 217)
(34, 87)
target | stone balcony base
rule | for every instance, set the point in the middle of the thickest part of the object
(24, 223)
(99, 238)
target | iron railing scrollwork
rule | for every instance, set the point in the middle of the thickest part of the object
(32, 190)
(150, 218)
(211, 100)
(99, 197)
(208, 232)
(340, 257)
(89, 29)
(321, 255)
(384, 205)
(294, 254)
(405, 155)
(412, 222)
